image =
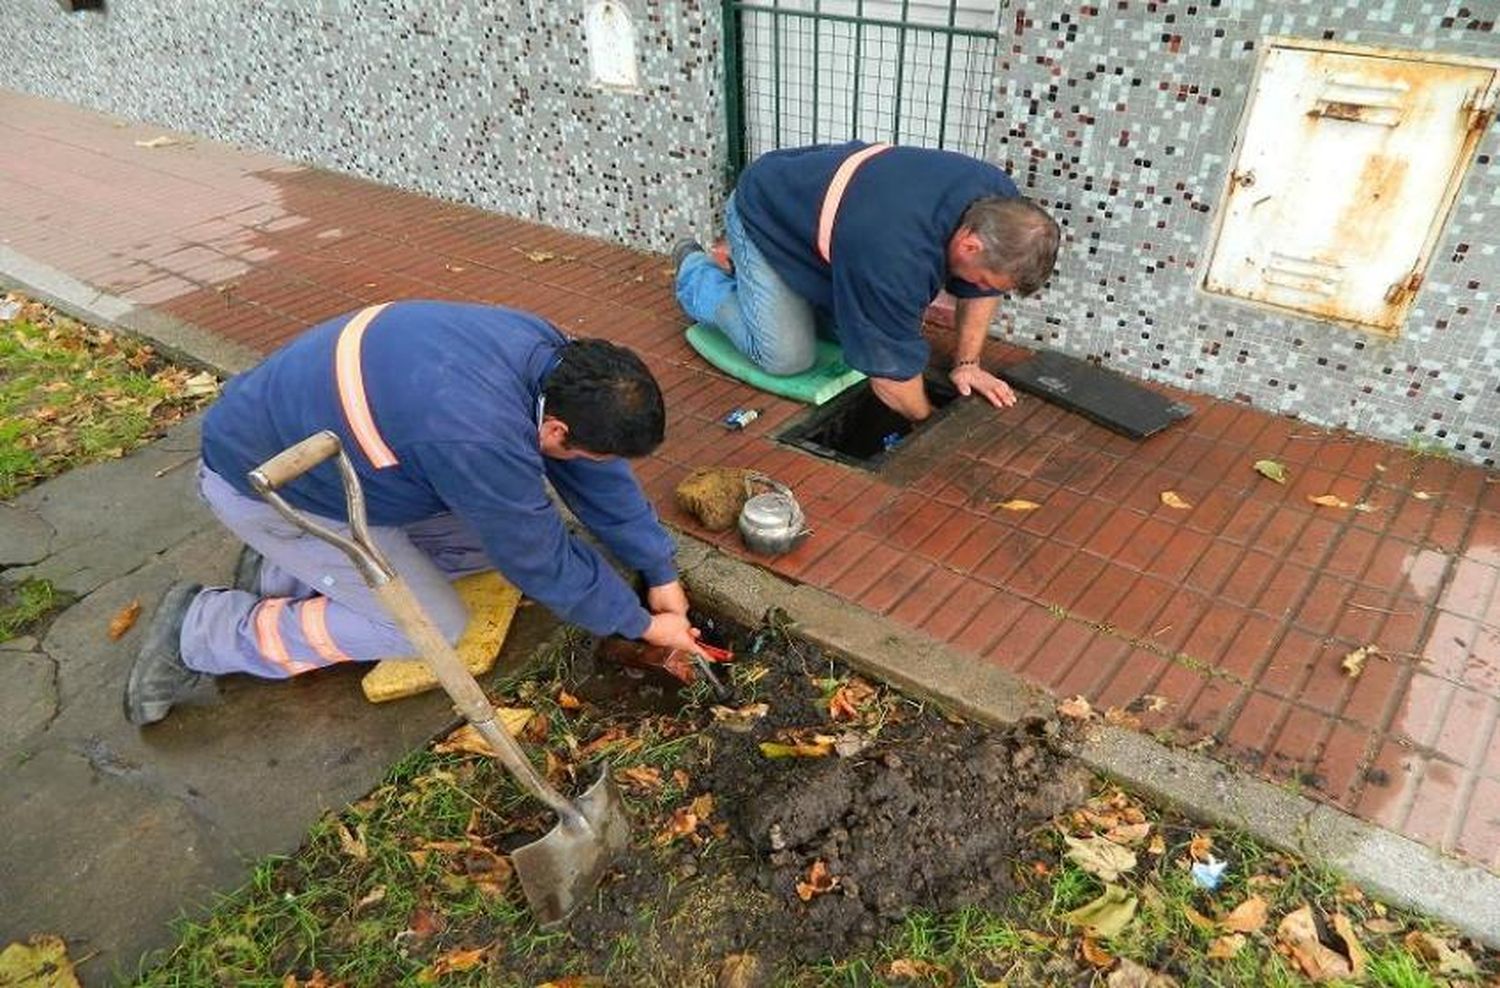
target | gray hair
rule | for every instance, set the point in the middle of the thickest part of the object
(1018, 239)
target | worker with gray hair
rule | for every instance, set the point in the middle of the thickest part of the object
(855, 241)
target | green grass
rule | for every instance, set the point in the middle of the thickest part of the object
(25, 604)
(70, 395)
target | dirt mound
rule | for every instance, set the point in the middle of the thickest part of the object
(815, 856)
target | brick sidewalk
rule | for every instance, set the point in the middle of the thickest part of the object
(1235, 613)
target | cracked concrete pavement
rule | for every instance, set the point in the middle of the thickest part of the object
(111, 831)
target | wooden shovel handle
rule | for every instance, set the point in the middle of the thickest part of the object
(294, 461)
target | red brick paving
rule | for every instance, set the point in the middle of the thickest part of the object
(1235, 611)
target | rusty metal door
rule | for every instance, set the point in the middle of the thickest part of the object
(1347, 167)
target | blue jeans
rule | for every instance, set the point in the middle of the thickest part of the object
(754, 308)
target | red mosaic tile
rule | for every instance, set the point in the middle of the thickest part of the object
(1327, 685)
(1377, 693)
(1284, 591)
(1213, 567)
(1471, 588)
(1281, 531)
(926, 597)
(1482, 669)
(1245, 523)
(1436, 812)
(1422, 709)
(1075, 577)
(1324, 605)
(1249, 577)
(1038, 568)
(1025, 638)
(1132, 679)
(1212, 512)
(1448, 646)
(1050, 662)
(1297, 743)
(917, 525)
(1180, 686)
(1450, 525)
(1466, 727)
(989, 625)
(871, 566)
(1479, 835)
(977, 545)
(905, 575)
(1389, 785)
(1149, 540)
(1254, 725)
(1290, 663)
(1110, 585)
(1118, 531)
(1160, 613)
(1101, 657)
(795, 564)
(1339, 766)
(1213, 708)
(1251, 648)
(1053, 514)
(1213, 633)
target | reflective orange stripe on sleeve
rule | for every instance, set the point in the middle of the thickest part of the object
(268, 635)
(351, 381)
(315, 630)
(835, 195)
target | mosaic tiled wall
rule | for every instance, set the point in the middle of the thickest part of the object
(1121, 116)
(487, 102)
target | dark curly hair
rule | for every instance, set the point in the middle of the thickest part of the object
(607, 398)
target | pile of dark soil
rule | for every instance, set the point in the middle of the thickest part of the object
(912, 810)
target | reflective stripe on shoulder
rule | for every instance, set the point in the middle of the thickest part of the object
(351, 382)
(835, 195)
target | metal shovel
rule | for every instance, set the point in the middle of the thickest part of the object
(558, 871)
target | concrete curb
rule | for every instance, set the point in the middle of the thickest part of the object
(177, 339)
(1395, 868)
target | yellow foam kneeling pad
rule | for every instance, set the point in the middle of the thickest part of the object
(491, 602)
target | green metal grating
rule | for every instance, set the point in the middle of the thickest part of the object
(822, 71)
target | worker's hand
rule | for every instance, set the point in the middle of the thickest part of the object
(973, 379)
(671, 630)
(669, 598)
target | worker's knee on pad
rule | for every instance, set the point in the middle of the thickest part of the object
(785, 365)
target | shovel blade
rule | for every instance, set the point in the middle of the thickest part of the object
(560, 870)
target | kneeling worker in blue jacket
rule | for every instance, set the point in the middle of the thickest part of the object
(853, 241)
(456, 417)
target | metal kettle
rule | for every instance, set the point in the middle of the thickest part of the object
(771, 522)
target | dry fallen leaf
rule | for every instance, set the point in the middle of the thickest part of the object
(816, 749)
(1297, 936)
(1421, 495)
(740, 719)
(1076, 708)
(1436, 950)
(1271, 470)
(1100, 856)
(1017, 504)
(568, 701)
(466, 740)
(1094, 954)
(454, 960)
(490, 872)
(739, 971)
(1128, 833)
(819, 881)
(910, 969)
(1200, 846)
(159, 142)
(1173, 500)
(1107, 915)
(1199, 920)
(1352, 946)
(1132, 975)
(1354, 663)
(643, 778)
(1158, 845)
(353, 842)
(846, 701)
(1384, 926)
(1328, 501)
(124, 620)
(42, 961)
(1247, 917)
(1226, 947)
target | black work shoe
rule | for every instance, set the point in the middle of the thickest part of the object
(159, 679)
(684, 250)
(247, 570)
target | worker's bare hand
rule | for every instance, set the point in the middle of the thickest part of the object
(671, 630)
(669, 598)
(973, 379)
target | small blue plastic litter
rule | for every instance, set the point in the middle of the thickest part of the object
(1208, 874)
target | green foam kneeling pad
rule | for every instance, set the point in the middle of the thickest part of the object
(827, 377)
